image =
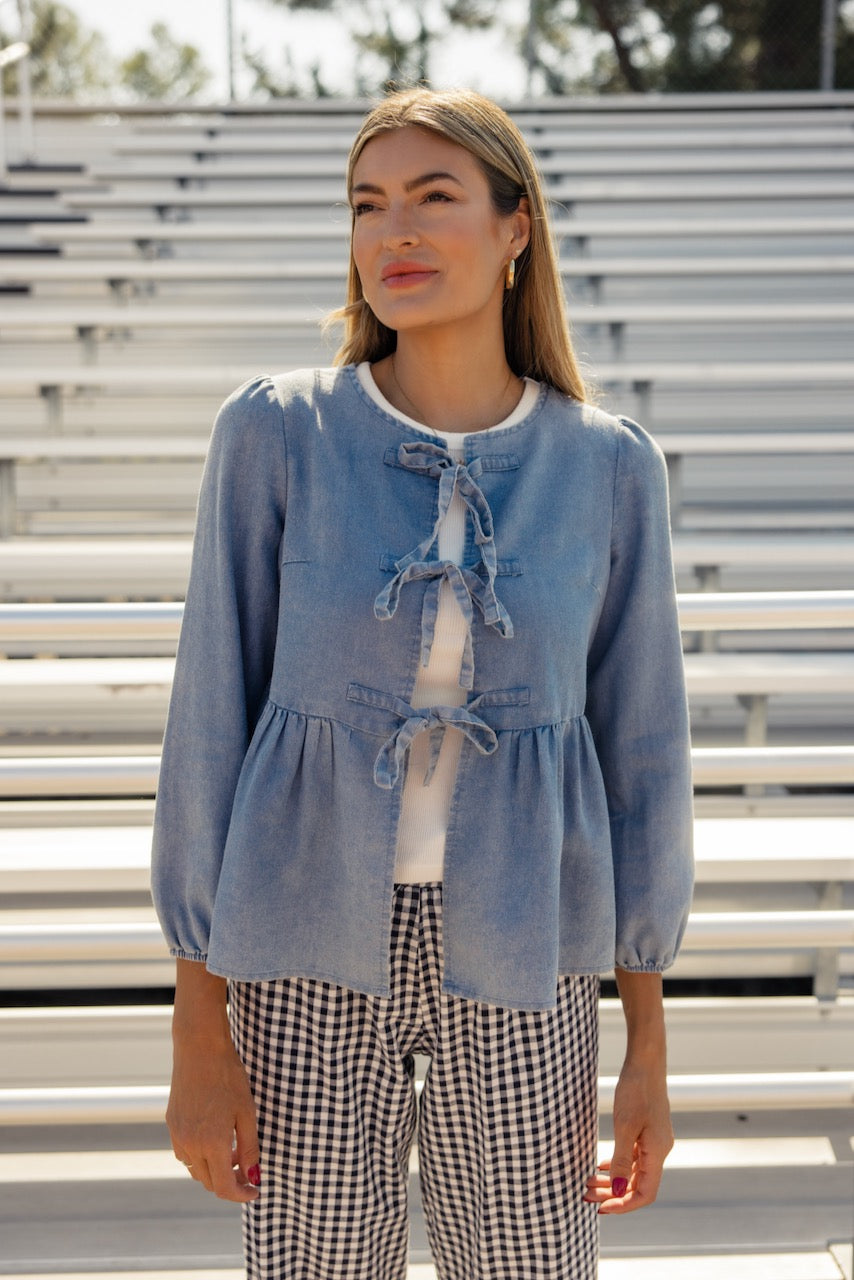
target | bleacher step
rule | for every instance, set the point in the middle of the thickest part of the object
(811, 1265)
(159, 1164)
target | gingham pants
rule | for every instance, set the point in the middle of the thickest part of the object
(506, 1122)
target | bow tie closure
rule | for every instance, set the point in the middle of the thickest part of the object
(467, 585)
(434, 720)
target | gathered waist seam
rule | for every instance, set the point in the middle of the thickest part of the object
(375, 733)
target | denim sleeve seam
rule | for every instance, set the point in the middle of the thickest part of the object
(614, 504)
(284, 440)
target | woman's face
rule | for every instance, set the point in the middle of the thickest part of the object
(428, 244)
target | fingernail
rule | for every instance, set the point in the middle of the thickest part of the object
(619, 1185)
(254, 1175)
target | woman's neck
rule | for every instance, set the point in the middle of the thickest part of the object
(455, 389)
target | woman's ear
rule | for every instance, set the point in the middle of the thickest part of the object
(520, 223)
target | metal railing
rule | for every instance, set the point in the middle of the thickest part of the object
(146, 1104)
(155, 621)
(18, 52)
(136, 775)
(706, 931)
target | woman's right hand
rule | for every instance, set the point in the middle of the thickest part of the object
(211, 1111)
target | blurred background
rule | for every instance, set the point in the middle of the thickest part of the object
(172, 222)
(256, 50)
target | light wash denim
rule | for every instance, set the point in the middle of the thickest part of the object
(312, 599)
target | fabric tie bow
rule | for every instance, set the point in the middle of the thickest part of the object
(468, 586)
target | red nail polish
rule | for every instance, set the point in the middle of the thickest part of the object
(619, 1186)
(254, 1175)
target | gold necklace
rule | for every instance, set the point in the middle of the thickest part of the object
(420, 417)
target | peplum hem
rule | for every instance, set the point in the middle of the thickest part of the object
(531, 858)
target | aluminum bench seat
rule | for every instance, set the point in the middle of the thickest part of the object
(120, 946)
(198, 142)
(612, 191)
(106, 695)
(148, 231)
(76, 568)
(29, 271)
(126, 1044)
(105, 860)
(553, 160)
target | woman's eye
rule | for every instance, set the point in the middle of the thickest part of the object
(435, 197)
(364, 206)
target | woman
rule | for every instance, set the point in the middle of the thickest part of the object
(426, 772)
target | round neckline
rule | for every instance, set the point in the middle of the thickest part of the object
(529, 400)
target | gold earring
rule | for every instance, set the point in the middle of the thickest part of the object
(510, 274)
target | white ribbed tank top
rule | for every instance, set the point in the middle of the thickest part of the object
(424, 809)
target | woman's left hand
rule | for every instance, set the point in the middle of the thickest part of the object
(643, 1137)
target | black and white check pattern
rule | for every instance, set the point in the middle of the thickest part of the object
(506, 1122)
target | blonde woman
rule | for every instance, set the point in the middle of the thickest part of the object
(426, 773)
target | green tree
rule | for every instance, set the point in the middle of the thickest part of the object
(167, 71)
(682, 46)
(286, 81)
(67, 60)
(595, 46)
(395, 40)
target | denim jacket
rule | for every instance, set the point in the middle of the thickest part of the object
(311, 601)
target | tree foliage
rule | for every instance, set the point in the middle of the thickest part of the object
(683, 46)
(288, 81)
(167, 71)
(68, 60)
(565, 46)
(605, 46)
(394, 41)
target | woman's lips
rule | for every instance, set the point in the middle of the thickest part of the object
(403, 278)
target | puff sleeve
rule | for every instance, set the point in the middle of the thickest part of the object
(224, 659)
(637, 710)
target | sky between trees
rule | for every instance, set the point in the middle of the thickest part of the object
(559, 47)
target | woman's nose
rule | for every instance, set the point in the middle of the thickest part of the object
(399, 227)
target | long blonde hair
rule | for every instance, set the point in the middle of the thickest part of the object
(536, 333)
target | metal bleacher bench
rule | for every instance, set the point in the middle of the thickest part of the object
(579, 230)
(217, 380)
(77, 776)
(91, 448)
(56, 943)
(63, 952)
(146, 1104)
(202, 143)
(695, 1091)
(69, 569)
(554, 161)
(567, 193)
(104, 859)
(130, 695)
(55, 625)
(76, 947)
(75, 1046)
(92, 323)
(118, 271)
(676, 446)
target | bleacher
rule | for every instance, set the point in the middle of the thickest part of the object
(707, 249)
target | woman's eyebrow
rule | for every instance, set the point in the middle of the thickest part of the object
(438, 176)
